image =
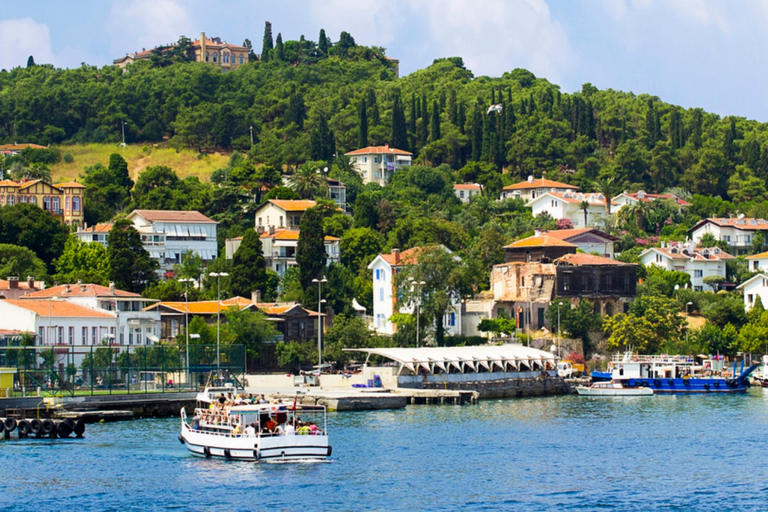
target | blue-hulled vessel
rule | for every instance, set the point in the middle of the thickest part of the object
(678, 374)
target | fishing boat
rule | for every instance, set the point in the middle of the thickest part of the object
(678, 374)
(260, 432)
(760, 378)
(612, 389)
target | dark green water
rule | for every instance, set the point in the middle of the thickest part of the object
(655, 453)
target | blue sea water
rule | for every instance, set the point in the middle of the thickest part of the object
(566, 453)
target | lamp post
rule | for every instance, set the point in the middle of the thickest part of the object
(251, 129)
(687, 312)
(186, 282)
(218, 276)
(319, 283)
(559, 337)
(123, 127)
(417, 285)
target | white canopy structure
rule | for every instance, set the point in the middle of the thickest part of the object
(483, 358)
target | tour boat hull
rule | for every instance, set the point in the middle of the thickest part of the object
(612, 389)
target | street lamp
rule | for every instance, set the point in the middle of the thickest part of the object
(559, 337)
(687, 307)
(319, 283)
(251, 129)
(417, 285)
(186, 282)
(218, 276)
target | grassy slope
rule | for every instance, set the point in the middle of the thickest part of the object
(184, 163)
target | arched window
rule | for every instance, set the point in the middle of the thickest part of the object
(215, 56)
(207, 56)
(241, 59)
(225, 57)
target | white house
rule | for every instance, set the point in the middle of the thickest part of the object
(167, 235)
(385, 267)
(533, 188)
(377, 164)
(279, 248)
(685, 257)
(625, 199)
(134, 325)
(758, 262)
(753, 288)
(567, 205)
(589, 240)
(97, 233)
(281, 213)
(466, 191)
(737, 232)
(59, 323)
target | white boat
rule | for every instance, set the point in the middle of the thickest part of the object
(262, 432)
(612, 388)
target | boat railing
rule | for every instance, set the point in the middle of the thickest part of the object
(211, 422)
(659, 358)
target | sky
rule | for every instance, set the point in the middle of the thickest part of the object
(692, 53)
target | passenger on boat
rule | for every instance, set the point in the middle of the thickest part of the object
(270, 425)
(237, 430)
(289, 429)
(250, 430)
(263, 400)
(314, 429)
(304, 430)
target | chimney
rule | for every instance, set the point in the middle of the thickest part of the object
(31, 282)
(202, 46)
(536, 232)
(396, 254)
(66, 288)
(256, 296)
(13, 282)
(111, 288)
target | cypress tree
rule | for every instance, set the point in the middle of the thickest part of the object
(249, 271)
(414, 115)
(279, 55)
(424, 133)
(267, 44)
(310, 251)
(399, 133)
(322, 43)
(130, 266)
(462, 117)
(322, 142)
(477, 133)
(373, 107)
(453, 111)
(296, 111)
(31, 62)
(362, 134)
(435, 123)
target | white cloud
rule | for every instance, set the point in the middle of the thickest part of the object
(148, 23)
(371, 22)
(21, 38)
(494, 36)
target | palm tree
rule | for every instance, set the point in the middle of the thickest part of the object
(609, 186)
(584, 206)
(308, 181)
(346, 164)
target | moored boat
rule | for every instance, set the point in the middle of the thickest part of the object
(612, 389)
(678, 374)
(261, 432)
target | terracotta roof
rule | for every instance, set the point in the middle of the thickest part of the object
(291, 234)
(80, 290)
(565, 234)
(407, 257)
(26, 184)
(59, 308)
(675, 251)
(70, 184)
(23, 285)
(467, 186)
(588, 259)
(539, 241)
(378, 150)
(539, 183)
(293, 205)
(101, 227)
(593, 199)
(8, 183)
(758, 256)
(19, 147)
(204, 307)
(646, 197)
(173, 216)
(744, 224)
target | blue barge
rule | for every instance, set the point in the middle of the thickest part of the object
(678, 374)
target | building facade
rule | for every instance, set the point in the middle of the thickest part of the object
(698, 263)
(568, 205)
(212, 51)
(466, 191)
(281, 214)
(756, 286)
(532, 188)
(62, 200)
(738, 232)
(377, 164)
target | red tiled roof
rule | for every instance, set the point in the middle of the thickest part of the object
(565, 234)
(587, 259)
(407, 257)
(645, 197)
(293, 205)
(8, 183)
(173, 216)
(593, 199)
(19, 147)
(539, 183)
(204, 307)
(101, 227)
(467, 186)
(70, 184)
(290, 234)
(539, 241)
(23, 285)
(378, 150)
(675, 251)
(58, 308)
(80, 290)
(746, 224)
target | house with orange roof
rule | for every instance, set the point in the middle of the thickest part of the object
(758, 262)
(96, 234)
(754, 288)
(738, 232)
(377, 164)
(589, 240)
(281, 214)
(384, 268)
(626, 198)
(211, 50)
(466, 191)
(697, 262)
(568, 205)
(133, 325)
(62, 200)
(534, 187)
(13, 287)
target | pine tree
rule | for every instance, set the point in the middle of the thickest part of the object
(414, 117)
(362, 134)
(296, 111)
(399, 134)
(477, 133)
(267, 45)
(279, 54)
(462, 117)
(435, 123)
(373, 107)
(249, 271)
(322, 43)
(31, 62)
(424, 131)
(453, 110)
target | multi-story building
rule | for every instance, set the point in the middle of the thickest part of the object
(94, 234)
(212, 51)
(754, 288)
(737, 232)
(465, 191)
(131, 325)
(377, 164)
(686, 257)
(533, 188)
(281, 214)
(625, 198)
(63, 200)
(385, 267)
(568, 205)
(589, 240)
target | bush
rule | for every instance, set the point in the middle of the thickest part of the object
(464, 341)
(68, 158)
